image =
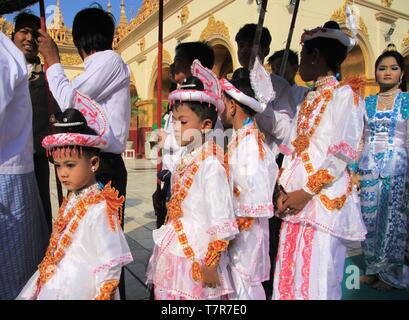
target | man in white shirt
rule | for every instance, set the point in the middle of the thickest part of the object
(291, 70)
(23, 230)
(25, 38)
(106, 79)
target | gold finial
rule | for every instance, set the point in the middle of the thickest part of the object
(390, 47)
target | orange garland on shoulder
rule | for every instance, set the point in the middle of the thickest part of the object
(60, 241)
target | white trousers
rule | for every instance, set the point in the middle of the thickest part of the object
(244, 290)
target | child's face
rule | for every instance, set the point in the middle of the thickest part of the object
(188, 127)
(76, 172)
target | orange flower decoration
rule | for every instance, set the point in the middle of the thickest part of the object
(318, 180)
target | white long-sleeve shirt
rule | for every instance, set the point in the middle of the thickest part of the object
(106, 80)
(275, 121)
(16, 131)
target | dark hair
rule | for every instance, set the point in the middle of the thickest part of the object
(248, 31)
(203, 110)
(333, 51)
(399, 59)
(292, 57)
(26, 19)
(240, 73)
(244, 85)
(93, 30)
(198, 50)
(71, 115)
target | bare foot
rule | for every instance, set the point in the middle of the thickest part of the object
(368, 279)
(382, 286)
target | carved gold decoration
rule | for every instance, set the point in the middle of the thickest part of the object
(147, 8)
(405, 42)
(184, 15)
(387, 3)
(61, 36)
(6, 27)
(70, 59)
(339, 16)
(214, 27)
(142, 44)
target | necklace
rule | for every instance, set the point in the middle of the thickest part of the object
(62, 235)
(386, 100)
(325, 81)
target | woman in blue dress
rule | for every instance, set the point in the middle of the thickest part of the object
(383, 174)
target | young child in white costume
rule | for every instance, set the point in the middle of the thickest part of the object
(319, 204)
(253, 173)
(189, 259)
(87, 247)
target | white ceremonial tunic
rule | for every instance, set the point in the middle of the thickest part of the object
(106, 80)
(255, 179)
(207, 216)
(95, 256)
(275, 121)
(312, 250)
(16, 134)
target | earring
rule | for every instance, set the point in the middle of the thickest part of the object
(93, 169)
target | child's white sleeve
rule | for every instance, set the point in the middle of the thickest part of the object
(254, 178)
(111, 252)
(220, 220)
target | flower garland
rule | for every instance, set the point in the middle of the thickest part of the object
(179, 193)
(60, 241)
(316, 181)
(302, 142)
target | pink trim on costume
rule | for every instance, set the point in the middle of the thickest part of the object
(344, 148)
(256, 209)
(359, 237)
(284, 149)
(308, 236)
(286, 275)
(118, 261)
(226, 227)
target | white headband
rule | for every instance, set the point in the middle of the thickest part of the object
(211, 93)
(239, 96)
(336, 34)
